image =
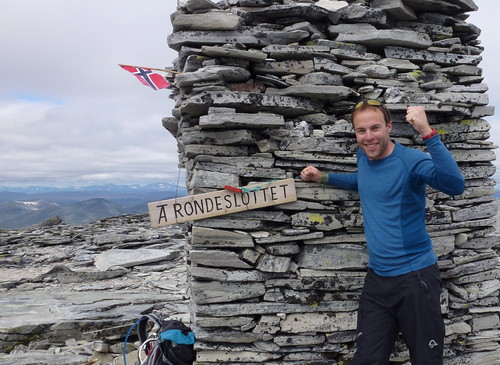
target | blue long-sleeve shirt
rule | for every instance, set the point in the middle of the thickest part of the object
(392, 192)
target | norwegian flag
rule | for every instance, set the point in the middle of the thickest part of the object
(147, 77)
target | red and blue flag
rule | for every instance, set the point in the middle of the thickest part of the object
(147, 77)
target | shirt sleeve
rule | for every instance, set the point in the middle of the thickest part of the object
(343, 181)
(441, 170)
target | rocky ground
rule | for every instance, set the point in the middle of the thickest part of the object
(69, 294)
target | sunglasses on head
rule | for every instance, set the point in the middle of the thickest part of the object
(370, 102)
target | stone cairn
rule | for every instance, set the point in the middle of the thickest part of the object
(265, 88)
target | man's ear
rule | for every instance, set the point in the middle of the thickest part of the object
(389, 126)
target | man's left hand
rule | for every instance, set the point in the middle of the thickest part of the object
(415, 115)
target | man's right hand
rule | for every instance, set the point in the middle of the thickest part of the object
(311, 173)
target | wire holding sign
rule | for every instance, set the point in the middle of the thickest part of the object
(221, 202)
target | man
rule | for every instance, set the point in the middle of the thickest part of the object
(403, 284)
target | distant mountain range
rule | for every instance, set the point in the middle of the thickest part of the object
(26, 206)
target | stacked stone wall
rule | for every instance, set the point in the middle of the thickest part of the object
(266, 88)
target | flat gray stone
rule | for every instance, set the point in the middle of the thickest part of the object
(472, 268)
(255, 3)
(328, 93)
(273, 263)
(209, 237)
(314, 157)
(251, 39)
(242, 120)
(443, 245)
(324, 280)
(323, 64)
(474, 155)
(445, 7)
(250, 55)
(250, 172)
(227, 336)
(463, 70)
(43, 358)
(400, 65)
(357, 13)
(386, 83)
(231, 223)
(223, 321)
(193, 150)
(211, 179)
(475, 212)
(218, 258)
(390, 37)
(199, 5)
(225, 137)
(211, 73)
(325, 221)
(282, 248)
(286, 238)
(299, 340)
(227, 357)
(289, 52)
(309, 12)
(321, 78)
(397, 8)
(474, 88)
(242, 162)
(434, 31)
(209, 21)
(322, 144)
(228, 275)
(427, 56)
(319, 322)
(460, 98)
(128, 258)
(333, 257)
(376, 71)
(337, 29)
(205, 292)
(346, 54)
(286, 67)
(332, 5)
(232, 309)
(287, 106)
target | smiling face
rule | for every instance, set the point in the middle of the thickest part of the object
(372, 132)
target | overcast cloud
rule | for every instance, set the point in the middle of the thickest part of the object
(70, 115)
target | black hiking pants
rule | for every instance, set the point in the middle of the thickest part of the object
(409, 303)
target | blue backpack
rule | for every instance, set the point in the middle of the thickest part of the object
(171, 344)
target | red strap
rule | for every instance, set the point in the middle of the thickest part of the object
(232, 188)
(432, 134)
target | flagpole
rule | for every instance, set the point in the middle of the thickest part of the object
(153, 68)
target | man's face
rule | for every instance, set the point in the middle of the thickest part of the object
(372, 133)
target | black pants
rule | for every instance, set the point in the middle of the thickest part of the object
(409, 303)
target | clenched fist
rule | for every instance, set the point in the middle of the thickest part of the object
(415, 115)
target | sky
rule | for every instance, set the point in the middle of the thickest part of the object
(69, 115)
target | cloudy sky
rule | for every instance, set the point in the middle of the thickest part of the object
(70, 115)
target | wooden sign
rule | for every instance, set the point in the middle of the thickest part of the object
(193, 207)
